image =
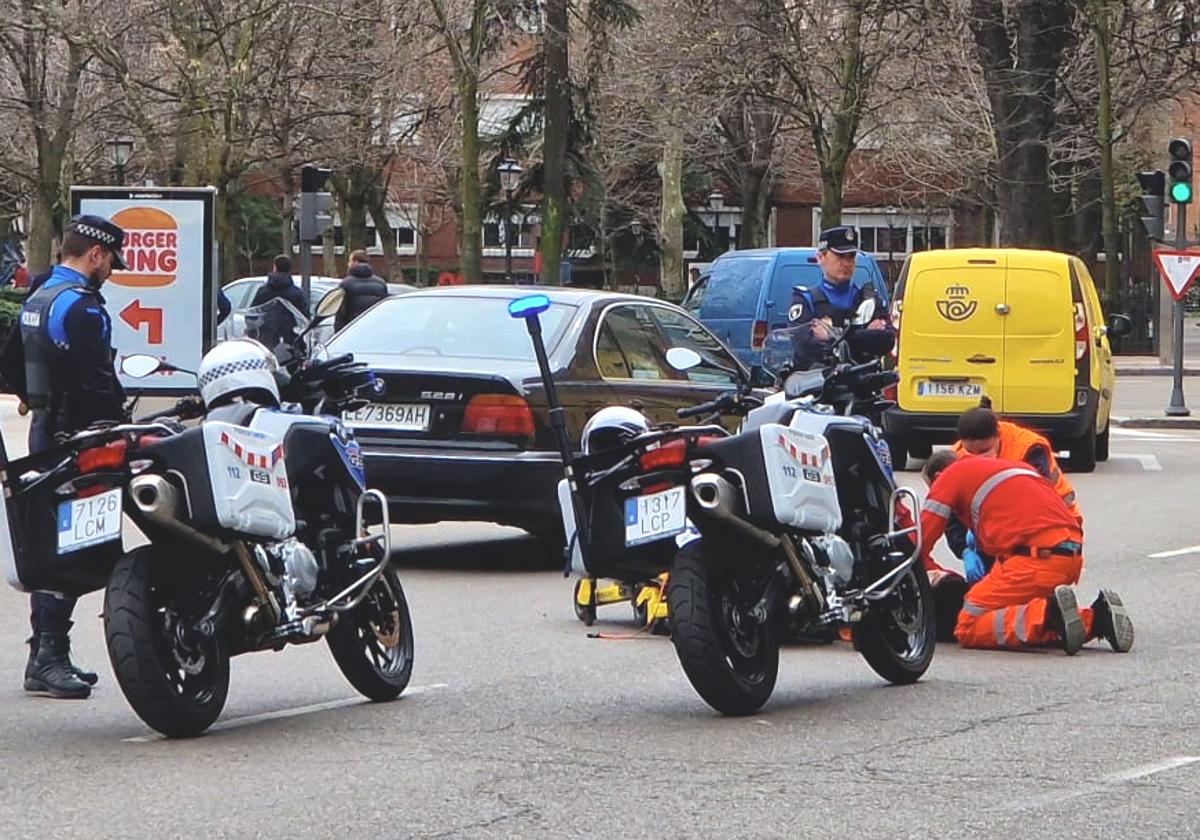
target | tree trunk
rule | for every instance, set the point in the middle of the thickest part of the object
(670, 227)
(387, 236)
(287, 182)
(756, 188)
(471, 210)
(831, 196)
(554, 145)
(1104, 136)
(1021, 89)
(40, 245)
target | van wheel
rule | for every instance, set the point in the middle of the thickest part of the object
(899, 452)
(1102, 443)
(920, 449)
(1083, 453)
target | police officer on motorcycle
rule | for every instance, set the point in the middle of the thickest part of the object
(70, 384)
(820, 312)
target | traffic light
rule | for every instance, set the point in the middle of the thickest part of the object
(1153, 197)
(316, 205)
(1180, 170)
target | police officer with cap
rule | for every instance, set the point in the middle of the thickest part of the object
(819, 309)
(70, 384)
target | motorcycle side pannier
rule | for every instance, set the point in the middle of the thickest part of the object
(234, 479)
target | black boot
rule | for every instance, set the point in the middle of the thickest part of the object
(1062, 614)
(51, 670)
(89, 677)
(1111, 622)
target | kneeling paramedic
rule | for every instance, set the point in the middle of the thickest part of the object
(1026, 598)
(70, 384)
(982, 433)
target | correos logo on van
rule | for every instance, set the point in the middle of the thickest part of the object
(956, 306)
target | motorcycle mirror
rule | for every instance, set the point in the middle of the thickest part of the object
(865, 313)
(528, 306)
(683, 358)
(139, 365)
(331, 303)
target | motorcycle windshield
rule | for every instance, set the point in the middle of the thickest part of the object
(271, 324)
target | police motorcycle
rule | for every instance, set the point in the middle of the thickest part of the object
(260, 533)
(792, 524)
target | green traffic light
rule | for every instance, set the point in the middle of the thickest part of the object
(1181, 192)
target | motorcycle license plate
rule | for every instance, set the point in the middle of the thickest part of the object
(655, 517)
(949, 388)
(90, 521)
(403, 417)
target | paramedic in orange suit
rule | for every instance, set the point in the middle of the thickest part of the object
(1026, 598)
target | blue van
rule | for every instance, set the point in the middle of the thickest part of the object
(746, 294)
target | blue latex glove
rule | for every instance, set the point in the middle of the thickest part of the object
(973, 568)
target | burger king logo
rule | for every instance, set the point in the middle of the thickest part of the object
(151, 247)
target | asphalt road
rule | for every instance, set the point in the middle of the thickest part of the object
(518, 724)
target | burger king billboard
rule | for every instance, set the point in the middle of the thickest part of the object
(164, 304)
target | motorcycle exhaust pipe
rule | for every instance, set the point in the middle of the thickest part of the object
(719, 499)
(157, 500)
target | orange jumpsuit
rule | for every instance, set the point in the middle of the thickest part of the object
(1019, 519)
(1020, 444)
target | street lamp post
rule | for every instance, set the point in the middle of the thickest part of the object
(120, 150)
(510, 176)
(891, 224)
(716, 203)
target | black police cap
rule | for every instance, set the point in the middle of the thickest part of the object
(840, 240)
(101, 231)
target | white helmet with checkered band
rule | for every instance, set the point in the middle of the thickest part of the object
(238, 368)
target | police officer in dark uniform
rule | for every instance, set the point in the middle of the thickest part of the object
(819, 309)
(70, 384)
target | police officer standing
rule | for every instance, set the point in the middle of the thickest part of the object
(819, 309)
(70, 384)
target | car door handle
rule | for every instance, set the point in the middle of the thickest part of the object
(980, 359)
(637, 404)
(1002, 309)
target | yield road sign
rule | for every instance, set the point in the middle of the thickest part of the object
(1179, 269)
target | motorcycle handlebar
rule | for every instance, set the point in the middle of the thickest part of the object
(701, 409)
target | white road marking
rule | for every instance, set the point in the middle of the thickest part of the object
(1153, 437)
(1191, 549)
(1120, 777)
(234, 723)
(1149, 462)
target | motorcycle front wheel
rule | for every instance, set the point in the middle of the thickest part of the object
(372, 644)
(897, 635)
(730, 659)
(175, 679)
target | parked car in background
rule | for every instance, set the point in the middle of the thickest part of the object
(241, 296)
(1022, 327)
(461, 429)
(747, 294)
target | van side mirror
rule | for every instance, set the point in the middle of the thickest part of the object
(1119, 325)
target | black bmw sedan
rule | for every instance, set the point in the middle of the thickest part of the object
(461, 428)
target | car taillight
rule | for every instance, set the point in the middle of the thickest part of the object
(891, 393)
(759, 337)
(1081, 332)
(497, 414)
(110, 457)
(670, 454)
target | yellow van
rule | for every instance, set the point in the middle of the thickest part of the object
(1023, 327)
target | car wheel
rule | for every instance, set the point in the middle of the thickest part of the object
(1102, 443)
(899, 451)
(1083, 453)
(920, 449)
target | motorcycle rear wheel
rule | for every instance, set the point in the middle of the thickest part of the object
(175, 679)
(372, 644)
(898, 634)
(731, 660)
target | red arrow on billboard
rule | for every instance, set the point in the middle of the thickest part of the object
(135, 315)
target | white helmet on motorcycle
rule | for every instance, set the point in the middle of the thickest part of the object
(611, 427)
(239, 368)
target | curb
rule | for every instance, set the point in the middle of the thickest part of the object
(1158, 422)
(1155, 371)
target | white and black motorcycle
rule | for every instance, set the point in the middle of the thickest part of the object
(261, 533)
(794, 524)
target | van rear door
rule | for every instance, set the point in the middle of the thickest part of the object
(951, 349)
(1039, 338)
(731, 298)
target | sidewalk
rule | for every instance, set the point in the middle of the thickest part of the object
(1152, 365)
(1139, 402)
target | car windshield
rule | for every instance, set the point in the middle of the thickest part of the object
(450, 326)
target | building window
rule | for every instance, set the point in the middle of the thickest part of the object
(726, 235)
(928, 238)
(524, 228)
(898, 233)
(498, 111)
(400, 218)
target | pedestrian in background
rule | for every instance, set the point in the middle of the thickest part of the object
(363, 288)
